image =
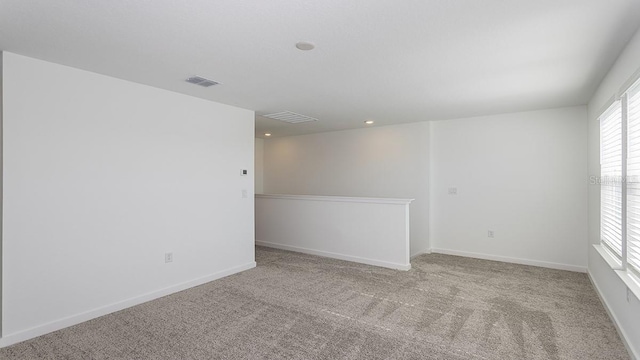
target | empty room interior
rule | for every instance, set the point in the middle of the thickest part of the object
(364, 179)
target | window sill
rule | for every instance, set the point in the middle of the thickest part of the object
(628, 278)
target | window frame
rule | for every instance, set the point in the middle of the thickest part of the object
(634, 89)
(629, 273)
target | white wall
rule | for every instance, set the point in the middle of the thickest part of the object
(372, 231)
(259, 166)
(101, 178)
(521, 175)
(1, 182)
(388, 161)
(612, 289)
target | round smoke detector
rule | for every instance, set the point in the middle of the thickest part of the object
(305, 46)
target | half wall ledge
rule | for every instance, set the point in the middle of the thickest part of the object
(372, 231)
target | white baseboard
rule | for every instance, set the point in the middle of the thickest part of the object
(357, 259)
(538, 263)
(10, 339)
(635, 355)
(420, 253)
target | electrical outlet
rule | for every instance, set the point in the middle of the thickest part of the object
(490, 234)
(453, 191)
(168, 257)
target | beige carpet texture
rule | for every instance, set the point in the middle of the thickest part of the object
(297, 306)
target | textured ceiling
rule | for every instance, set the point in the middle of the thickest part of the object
(390, 61)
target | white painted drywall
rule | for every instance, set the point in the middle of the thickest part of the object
(102, 177)
(259, 166)
(521, 175)
(387, 161)
(612, 289)
(1, 183)
(367, 230)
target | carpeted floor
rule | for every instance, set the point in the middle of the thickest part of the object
(296, 306)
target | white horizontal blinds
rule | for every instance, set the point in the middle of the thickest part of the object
(633, 178)
(611, 176)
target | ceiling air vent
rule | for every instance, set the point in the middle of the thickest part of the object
(198, 80)
(290, 117)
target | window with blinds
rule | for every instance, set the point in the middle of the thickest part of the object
(620, 179)
(611, 178)
(633, 178)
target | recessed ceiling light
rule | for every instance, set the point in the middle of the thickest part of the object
(369, 122)
(267, 134)
(305, 46)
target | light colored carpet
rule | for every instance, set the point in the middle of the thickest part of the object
(297, 306)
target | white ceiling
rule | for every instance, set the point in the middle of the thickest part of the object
(392, 61)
